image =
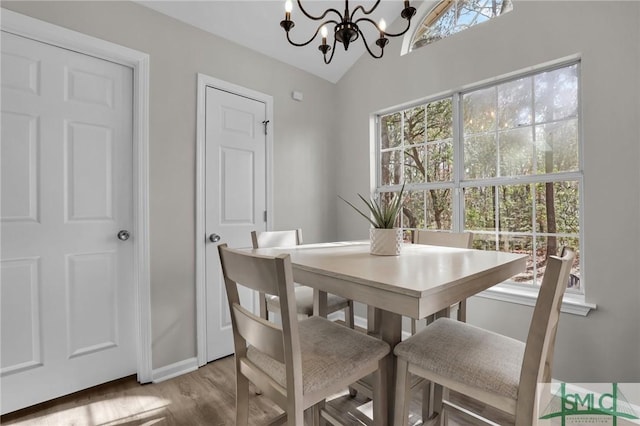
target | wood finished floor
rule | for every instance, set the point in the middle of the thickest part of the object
(203, 397)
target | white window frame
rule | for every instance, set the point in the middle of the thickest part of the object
(574, 301)
(425, 11)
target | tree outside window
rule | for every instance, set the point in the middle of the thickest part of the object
(518, 182)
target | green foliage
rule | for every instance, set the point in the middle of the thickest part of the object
(385, 214)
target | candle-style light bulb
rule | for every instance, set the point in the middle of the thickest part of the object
(288, 7)
(382, 26)
(324, 33)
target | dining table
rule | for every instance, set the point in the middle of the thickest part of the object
(421, 281)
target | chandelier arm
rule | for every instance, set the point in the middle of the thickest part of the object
(364, 40)
(365, 12)
(372, 22)
(333, 50)
(317, 18)
(331, 21)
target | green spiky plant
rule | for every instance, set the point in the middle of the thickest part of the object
(384, 215)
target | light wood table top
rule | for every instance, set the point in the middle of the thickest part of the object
(404, 284)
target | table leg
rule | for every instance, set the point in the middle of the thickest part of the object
(391, 332)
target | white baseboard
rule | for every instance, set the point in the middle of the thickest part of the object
(174, 370)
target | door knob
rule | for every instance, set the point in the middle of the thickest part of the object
(214, 238)
(123, 235)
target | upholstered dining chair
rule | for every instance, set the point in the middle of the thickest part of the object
(496, 370)
(303, 294)
(297, 364)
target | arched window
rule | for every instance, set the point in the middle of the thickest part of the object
(452, 16)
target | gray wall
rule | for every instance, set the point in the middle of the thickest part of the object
(303, 191)
(605, 346)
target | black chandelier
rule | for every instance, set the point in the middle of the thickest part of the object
(346, 29)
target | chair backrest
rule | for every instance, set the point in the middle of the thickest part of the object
(445, 239)
(276, 238)
(272, 275)
(538, 355)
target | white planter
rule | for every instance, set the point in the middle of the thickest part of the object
(386, 242)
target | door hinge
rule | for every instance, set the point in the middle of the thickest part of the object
(266, 123)
(265, 215)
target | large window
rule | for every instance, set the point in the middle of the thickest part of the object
(501, 161)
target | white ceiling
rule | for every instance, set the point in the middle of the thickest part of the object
(256, 25)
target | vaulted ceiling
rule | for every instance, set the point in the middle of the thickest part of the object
(256, 25)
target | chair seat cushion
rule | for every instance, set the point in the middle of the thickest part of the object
(331, 353)
(468, 355)
(304, 301)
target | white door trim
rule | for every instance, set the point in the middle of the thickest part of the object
(205, 81)
(38, 30)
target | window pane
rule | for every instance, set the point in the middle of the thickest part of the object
(440, 162)
(390, 131)
(521, 244)
(479, 208)
(443, 27)
(516, 152)
(439, 209)
(479, 111)
(414, 126)
(386, 198)
(484, 241)
(557, 147)
(514, 104)
(516, 208)
(480, 156)
(556, 94)
(558, 207)
(414, 210)
(440, 120)
(471, 12)
(553, 245)
(451, 16)
(414, 160)
(390, 168)
(575, 275)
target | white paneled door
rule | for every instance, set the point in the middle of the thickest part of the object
(235, 181)
(67, 294)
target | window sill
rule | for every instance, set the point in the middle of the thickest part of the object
(571, 304)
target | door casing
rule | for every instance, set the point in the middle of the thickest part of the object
(35, 29)
(203, 82)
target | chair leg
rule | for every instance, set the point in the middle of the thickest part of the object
(403, 394)
(242, 399)
(262, 302)
(427, 391)
(349, 315)
(444, 416)
(437, 399)
(462, 311)
(380, 405)
(317, 417)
